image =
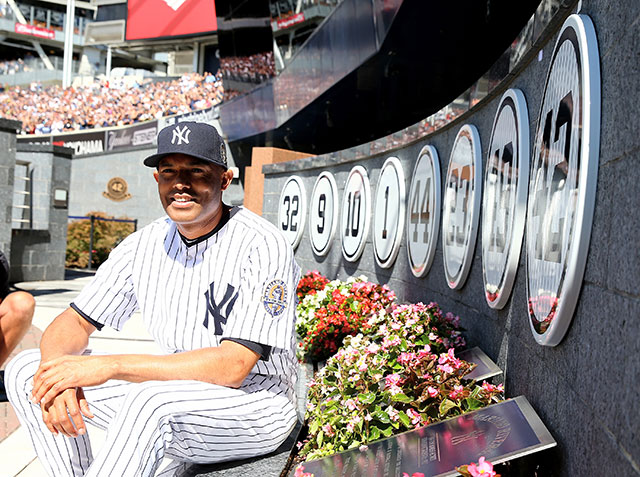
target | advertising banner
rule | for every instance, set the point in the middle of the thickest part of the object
(25, 29)
(148, 19)
(290, 21)
(131, 136)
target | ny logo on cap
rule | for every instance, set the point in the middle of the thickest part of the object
(180, 135)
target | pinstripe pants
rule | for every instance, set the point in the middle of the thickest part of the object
(188, 421)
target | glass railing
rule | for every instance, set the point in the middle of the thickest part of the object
(508, 64)
(44, 18)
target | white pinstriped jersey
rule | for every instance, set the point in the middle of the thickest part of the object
(239, 283)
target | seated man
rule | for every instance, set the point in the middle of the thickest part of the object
(216, 287)
(16, 312)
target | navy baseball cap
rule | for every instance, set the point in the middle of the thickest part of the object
(199, 140)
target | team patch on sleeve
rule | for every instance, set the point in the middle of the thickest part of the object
(274, 297)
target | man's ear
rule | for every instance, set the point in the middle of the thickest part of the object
(226, 178)
(155, 175)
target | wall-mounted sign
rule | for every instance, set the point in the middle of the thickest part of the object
(461, 208)
(356, 214)
(32, 30)
(388, 218)
(423, 211)
(562, 184)
(505, 197)
(292, 210)
(323, 213)
(117, 190)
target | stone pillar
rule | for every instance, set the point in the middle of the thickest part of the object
(254, 178)
(38, 253)
(7, 162)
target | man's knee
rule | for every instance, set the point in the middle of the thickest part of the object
(19, 373)
(22, 305)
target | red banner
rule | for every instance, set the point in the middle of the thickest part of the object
(148, 19)
(32, 30)
(290, 21)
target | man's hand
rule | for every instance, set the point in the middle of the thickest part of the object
(69, 372)
(64, 414)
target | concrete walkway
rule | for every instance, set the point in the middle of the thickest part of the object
(52, 297)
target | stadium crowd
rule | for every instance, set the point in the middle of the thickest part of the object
(255, 68)
(52, 109)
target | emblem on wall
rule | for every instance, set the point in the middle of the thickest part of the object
(356, 214)
(388, 218)
(292, 210)
(423, 212)
(117, 190)
(505, 197)
(461, 208)
(323, 213)
(562, 183)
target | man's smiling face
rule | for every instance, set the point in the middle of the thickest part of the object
(191, 192)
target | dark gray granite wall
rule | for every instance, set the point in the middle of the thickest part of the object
(585, 389)
(38, 253)
(7, 165)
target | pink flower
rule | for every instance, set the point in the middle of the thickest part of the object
(414, 416)
(328, 430)
(415, 474)
(406, 358)
(395, 390)
(445, 368)
(373, 348)
(433, 392)
(393, 414)
(351, 425)
(362, 367)
(301, 473)
(483, 469)
(393, 380)
(457, 391)
(490, 388)
(351, 404)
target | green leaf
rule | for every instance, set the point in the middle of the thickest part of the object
(366, 398)
(382, 416)
(374, 433)
(320, 438)
(446, 406)
(404, 419)
(400, 397)
(387, 431)
(473, 404)
(313, 427)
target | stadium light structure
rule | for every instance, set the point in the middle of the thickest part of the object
(67, 59)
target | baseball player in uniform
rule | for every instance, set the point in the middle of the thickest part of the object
(215, 286)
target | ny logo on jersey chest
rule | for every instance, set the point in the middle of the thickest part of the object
(215, 309)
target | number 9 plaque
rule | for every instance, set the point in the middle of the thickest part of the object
(323, 213)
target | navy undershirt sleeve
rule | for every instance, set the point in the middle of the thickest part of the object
(86, 317)
(263, 350)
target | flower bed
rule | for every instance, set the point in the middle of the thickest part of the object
(400, 374)
(311, 283)
(340, 309)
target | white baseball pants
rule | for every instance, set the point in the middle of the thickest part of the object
(188, 421)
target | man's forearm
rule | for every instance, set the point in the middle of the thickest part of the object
(226, 365)
(65, 335)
